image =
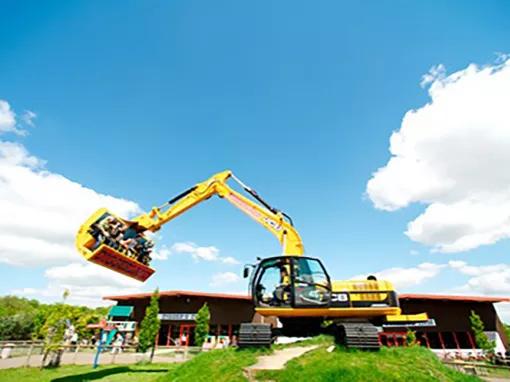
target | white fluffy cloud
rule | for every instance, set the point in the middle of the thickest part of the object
(407, 277)
(161, 253)
(485, 279)
(198, 253)
(42, 211)
(86, 283)
(220, 279)
(488, 280)
(8, 123)
(451, 155)
(28, 118)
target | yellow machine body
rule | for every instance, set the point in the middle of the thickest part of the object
(271, 219)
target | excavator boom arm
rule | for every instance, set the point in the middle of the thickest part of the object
(271, 219)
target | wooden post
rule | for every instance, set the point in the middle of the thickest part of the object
(442, 343)
(426, 340)
(168, 336)
(114, 355)
(77, 349)
(473, 345)
(27, 363)
(456, 340)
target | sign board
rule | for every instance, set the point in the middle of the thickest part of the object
(123, 326)
(177, 316)
(430, 323)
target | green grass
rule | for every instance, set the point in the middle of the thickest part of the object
(113, 373)
(216, 365)
(397, 364)
(317, 340)
(390, 364)
(394, 364)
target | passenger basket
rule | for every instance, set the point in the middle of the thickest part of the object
(115, 254)
(120, 263)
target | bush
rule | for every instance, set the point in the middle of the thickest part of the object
(411, 338)
(202, 327)
(482, 341)
(149, 327)
(17, 327)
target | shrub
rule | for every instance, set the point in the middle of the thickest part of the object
(482, 341)
(202, 327)
(411, 338)
(149, 327)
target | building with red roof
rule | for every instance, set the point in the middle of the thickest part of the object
(228, 311)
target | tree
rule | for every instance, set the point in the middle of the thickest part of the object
(17, 327)
(411, 338)
(65, 295)
(149, 327)
(202, 325)
(482, 341)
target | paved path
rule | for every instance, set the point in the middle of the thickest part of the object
(88, 358)
(277, 360)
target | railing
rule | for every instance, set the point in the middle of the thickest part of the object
(476, 368)
(34, 354)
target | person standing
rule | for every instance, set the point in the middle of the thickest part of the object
(117, 344)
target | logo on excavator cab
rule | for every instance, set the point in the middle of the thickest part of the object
(339, 297)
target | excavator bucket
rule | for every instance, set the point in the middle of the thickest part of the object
(114, 251)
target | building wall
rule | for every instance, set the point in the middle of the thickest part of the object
(452, 315)
(452, 321)
(223, 311)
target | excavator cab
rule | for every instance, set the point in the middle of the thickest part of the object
(115, 243)
(291, 281)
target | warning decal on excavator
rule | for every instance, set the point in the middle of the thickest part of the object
(251, 211)
(243, 206)
(109, 258)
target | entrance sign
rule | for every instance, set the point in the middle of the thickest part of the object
(177, 316)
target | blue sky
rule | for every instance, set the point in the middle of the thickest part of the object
(140, 100)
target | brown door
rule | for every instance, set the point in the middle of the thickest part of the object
(185, 333)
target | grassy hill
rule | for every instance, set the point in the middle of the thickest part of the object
(395, 364)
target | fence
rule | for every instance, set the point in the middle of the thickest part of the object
(32, 354)
(478, 368)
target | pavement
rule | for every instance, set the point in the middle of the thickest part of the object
(277, 360)
(84, 358)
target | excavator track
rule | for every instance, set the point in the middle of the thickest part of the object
(255, 335)
(358, 335)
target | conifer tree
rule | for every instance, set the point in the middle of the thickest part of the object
(482, 341)
(202, 325)
(149, 327)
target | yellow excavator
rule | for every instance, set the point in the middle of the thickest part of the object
(292, 287)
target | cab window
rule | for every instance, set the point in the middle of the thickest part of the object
(273, 286)
(311, 283)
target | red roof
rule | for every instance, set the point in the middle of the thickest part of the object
(414, 296)
(230, 296)
(179, 293)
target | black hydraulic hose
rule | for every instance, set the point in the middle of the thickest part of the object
(262, 201)
(267, 205)
(182, 195)
(288, 218)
